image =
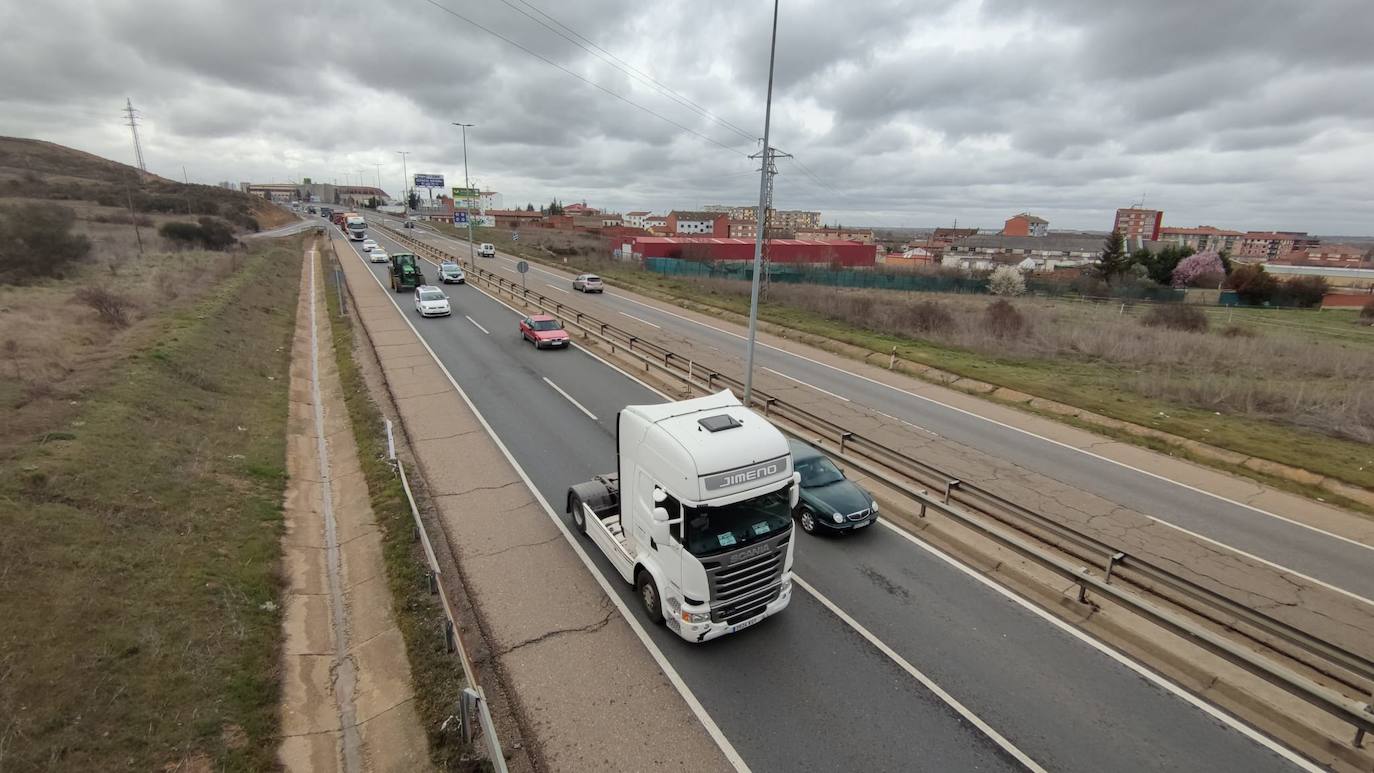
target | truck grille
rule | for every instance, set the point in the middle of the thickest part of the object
(741, 589)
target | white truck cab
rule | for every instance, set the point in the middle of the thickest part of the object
(698, 515)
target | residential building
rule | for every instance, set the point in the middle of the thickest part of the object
(656, 224)
(1026, 224)
(1137, 224)
(950, 235)
(514, 218)
(861, 235)
(1201, 239)
(1268, 245)
(698, 223)
(780, 220)
(1032, 253)
(1334, 255)
(743, 229)
(581, 208)
(635, 219)
(611, 221)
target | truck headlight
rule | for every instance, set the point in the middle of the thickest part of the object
(696, 617)
(837, 518)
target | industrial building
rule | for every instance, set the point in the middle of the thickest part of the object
(789, 251)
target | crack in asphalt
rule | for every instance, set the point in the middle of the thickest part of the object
(588, 628)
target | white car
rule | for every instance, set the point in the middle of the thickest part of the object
(378, 256)
(369, 245)
(486, 250)
(430, 301)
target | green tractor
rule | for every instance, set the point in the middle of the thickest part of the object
(405, 272)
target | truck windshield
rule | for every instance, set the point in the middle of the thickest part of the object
(714, 529)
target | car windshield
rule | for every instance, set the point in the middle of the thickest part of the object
(818, 471)
(431, 295)
(449, 267)
(546, 324)
(713, 529)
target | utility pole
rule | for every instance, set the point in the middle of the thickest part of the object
(379, 176)
(763, 204)
(133, 127)
(467, 202)
(770, 170)
(187, 180)
(405, 181)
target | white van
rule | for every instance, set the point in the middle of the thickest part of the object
(486, 250)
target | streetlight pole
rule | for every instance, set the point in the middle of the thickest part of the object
(405, 178)
(467, 202)
(759, 235)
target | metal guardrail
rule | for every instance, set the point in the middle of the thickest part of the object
(988, 513)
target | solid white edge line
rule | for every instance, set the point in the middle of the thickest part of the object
(1100, 646)
(555, 289)
(569, 398)
(694, 705)
(803, 383)
(1026, 432)
(478, 324)
(1111, 652)
(925, 681)
(637, 319)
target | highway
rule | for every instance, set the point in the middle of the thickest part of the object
(1330, 560)
(889, 657)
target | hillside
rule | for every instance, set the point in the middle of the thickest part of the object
(36, 169)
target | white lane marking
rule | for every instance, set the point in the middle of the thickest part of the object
(1115, 655)
(569, 398)
(555, 289)
(479, 326)
(803, 383)
(693, 704)
(1102, 647)
(916, 427)
(637, 319)
(1026, 432)
(925, 681)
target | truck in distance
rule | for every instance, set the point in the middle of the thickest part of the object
(698, 515)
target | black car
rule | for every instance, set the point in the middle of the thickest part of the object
(829, 501)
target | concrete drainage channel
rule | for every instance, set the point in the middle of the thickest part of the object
(1324, 675)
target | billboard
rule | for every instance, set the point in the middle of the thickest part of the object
(429, 181)
(466, 193)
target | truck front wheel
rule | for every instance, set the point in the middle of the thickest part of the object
(648, 595)
(579, 516)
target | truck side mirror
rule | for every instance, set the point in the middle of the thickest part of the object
(661, 514)
(794, 494)
(659, 495)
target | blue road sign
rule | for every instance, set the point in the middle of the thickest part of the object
(460, 218)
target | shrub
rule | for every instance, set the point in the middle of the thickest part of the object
(1193, 270)
(1003, 320)
(1303, 291)
(182, 234)
(1253, 284)
(1367, 312)
(1090, 286)
(925, 317)
(1177, 316)
(209, 233)
(1006, 280)
(36, 241)
(1236, 331)
(112, 308)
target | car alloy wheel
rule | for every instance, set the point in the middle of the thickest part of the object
(808, 521)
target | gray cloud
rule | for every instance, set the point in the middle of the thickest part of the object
(1243, 113)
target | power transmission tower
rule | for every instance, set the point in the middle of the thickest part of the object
(133, 126)
(770, 169)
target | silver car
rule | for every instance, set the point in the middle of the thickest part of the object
(589, 283)
(431, 302)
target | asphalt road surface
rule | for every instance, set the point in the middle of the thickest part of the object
(1340, 564)
(809, 689)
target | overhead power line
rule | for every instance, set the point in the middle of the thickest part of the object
(578, 39)
(588, 81)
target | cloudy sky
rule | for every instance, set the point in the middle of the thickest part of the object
(1237, 113)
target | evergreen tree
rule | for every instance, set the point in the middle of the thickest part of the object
(1114, 261)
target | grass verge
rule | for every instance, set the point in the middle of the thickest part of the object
(1088, 385)
(436, 674)
(139, 564)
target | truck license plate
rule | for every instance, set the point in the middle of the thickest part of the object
(743, 625)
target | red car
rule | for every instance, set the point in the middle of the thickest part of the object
(543, 330)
